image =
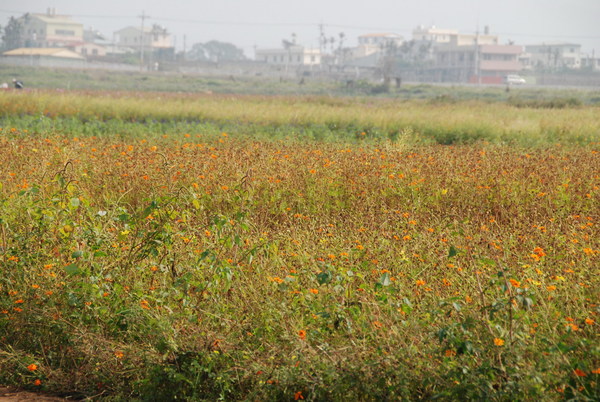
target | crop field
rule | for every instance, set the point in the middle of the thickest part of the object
(160, 246)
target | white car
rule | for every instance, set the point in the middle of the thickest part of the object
(514, 79)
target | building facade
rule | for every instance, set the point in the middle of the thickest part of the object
(292, 56)
(552, 56)
(485, 64)
(153, 37)
(50, 30)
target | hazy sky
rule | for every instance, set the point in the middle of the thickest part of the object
(264, 23)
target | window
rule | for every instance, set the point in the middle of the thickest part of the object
(65, 32)
(312, 59)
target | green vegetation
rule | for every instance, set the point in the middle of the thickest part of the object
(334, 119)
(73, 79)
(155, 246)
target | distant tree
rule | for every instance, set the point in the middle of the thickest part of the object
(388, 62)
(12, 35)
(215, 51)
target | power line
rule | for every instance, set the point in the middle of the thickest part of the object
(303, 24)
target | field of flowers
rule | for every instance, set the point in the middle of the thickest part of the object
(191, 249)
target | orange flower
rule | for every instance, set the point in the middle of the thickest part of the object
(298, 396)
(579, 373)
(420, 282)
(589, 321)
(119, 354)
(515, 282)
(573, 327)
(539, 251)
(498, 341)
(449, 353)
(37, 382)
(32, 367)
(314, 291)
(302, 334)
(596, 371)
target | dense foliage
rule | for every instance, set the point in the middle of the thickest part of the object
(141, 259)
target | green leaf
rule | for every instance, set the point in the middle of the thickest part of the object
(77, 254)
(324, 277)
(385, 279)
(72, 269)
(486, 261)
(452, 252)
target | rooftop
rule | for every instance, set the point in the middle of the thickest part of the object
(44, 51)
(54, 19)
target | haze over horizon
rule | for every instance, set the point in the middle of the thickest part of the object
(251, 24)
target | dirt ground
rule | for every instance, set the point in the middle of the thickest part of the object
(8, 394)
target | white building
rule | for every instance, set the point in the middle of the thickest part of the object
(294, 55)
(553, 56)
(369, 44)
(153, 37)
(433, 34)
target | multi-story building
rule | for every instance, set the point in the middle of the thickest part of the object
(153, 37)
(476, 58)
(477, 63)
(369, 44)
(552, 56)
(50, 30)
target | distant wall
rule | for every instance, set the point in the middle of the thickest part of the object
(55, 62)
(42, 61)
(566, 79)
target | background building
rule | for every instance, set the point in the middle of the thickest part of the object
(50, 30)
(153, 37)
(294, 55)
(552, 56)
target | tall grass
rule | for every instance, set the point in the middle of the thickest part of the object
(441, 122)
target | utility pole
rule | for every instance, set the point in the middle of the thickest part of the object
(143, 17)
(477, 57)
